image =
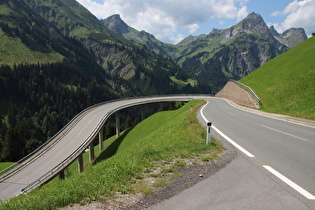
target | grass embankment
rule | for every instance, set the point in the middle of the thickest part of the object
(4, 165)
(162, 137)
(285, 84)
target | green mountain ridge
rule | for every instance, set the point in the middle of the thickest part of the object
(131, 69)
(140, 68)
(25, 36)
(222, 54)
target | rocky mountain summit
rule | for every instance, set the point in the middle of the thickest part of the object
(116, 24)
(222, 54)
(290, 37)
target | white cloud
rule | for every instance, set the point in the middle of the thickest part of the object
(164, 18)
(192, 28)
(298, 14)
(242, 13)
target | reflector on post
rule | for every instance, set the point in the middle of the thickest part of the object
(208, 132)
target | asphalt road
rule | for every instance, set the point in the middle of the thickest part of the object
(274, 169)
(68, 144)
(273, 146)
(287, 147)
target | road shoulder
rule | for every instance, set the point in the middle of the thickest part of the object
(240, 185)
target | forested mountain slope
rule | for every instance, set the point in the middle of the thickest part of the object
(139, 67)
(57, 59)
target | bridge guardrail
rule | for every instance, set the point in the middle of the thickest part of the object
(47, 176)
(19, 164)
(251, 92)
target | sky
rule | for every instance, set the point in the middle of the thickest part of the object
(172, 20)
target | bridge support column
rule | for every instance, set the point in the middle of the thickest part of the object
(80, 163)
(142, 112)
(117, 124)
(91, 148)
(101, 139)
(61, 175)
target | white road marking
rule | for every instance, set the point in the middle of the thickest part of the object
(268, 115)
(270, 169)
(79, 134)
(226, 137)
(90, 121)
(290, 183)
(284, 133)
(230, 113)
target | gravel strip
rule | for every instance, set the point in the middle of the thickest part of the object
(191, 176)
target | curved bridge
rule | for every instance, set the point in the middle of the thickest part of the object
(67, 145)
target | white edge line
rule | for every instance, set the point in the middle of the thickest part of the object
(265, 126)
(265, 114)
(290, 183)
(270, 169)
(224, 136)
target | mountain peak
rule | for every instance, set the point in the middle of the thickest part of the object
(254, 15)
(290, 37)
(254, 22)
(116, 24)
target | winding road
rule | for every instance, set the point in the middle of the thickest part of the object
(285, 150)
(68, 145)
(286, 147)
(274, 168)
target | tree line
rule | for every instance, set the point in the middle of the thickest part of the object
(37, 100)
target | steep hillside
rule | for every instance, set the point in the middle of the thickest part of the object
(72, 19)
(137, 67)
(285, 84)
(51, 69)
(25, 36)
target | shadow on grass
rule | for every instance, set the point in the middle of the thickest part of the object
(112, 148)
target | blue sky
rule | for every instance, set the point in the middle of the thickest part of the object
(172, 20)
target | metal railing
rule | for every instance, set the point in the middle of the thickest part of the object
(48, 144)
(249, 90)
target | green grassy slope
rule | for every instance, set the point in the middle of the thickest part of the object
(4, 165)
(12, 50)
(74, 20)
(20, 31)
(286, 84)
(161, 137)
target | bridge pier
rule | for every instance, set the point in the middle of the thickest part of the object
(117, 124)
(61, 175)
(91, 148)
(80, 163)
(142, 112)
(101, 139)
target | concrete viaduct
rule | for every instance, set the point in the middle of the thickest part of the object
(69, 144)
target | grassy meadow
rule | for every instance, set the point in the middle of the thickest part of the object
(285, 84)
